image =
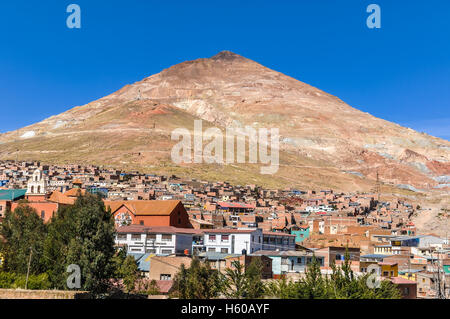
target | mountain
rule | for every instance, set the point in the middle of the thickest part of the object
(325, 143)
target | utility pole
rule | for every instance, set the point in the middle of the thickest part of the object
(28, 270)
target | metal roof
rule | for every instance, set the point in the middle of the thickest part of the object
(375, 256)
(217, 256)
(12, 194)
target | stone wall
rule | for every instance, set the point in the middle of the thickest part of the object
(39, 294)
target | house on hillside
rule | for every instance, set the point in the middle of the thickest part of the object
(149, 213)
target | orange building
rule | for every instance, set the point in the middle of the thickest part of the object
(149, 213)
(46, 204)
(45, 210)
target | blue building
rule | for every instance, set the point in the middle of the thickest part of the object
(289, 261)
(300, 232)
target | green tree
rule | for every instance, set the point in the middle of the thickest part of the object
(235, 281)
(255, 286)
(61, 230)
(244, 282)
(314, 285)
(198, 281)
(129, 273)
(81, 234)
(23, 234)
(92, 247)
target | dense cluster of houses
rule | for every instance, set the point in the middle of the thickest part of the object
(164, 221)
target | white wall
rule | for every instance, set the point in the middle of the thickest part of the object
(241, 241)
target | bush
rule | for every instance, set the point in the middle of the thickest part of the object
(7, 279)
(15, 281)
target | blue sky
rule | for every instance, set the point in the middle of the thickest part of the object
(400, 72)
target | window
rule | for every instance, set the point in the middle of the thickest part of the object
(150, 250)
(43, 214)
(141, 222)
(179, 220)
(299, 260)
(165, 277)
(166, 237)
(166, 251)
(151, 237)
(212, 237)
(385, 273)
(122, 236)
(135, 236)
(225, 238)
(212, 249)
(224, 250)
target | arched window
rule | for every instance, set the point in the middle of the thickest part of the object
(39, 189)
(43, 214)
(32, 189)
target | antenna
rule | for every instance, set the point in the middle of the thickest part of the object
(139, 95)
(378, 187)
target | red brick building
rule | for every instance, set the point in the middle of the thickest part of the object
(150, 213)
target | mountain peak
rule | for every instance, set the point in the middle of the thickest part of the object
(227, 56)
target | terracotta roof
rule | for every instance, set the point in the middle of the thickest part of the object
(230, 231)
(75, 192)
(156, 229)
(60, 198)
(401, 280)
(145, 207)
(200, 221)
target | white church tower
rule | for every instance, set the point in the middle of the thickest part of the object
(37, 187)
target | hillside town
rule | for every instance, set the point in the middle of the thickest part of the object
(164, 221)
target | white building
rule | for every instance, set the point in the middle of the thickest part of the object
(319, 208)
(233, 241)
(159, 240)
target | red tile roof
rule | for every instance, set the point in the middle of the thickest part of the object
(157, 229)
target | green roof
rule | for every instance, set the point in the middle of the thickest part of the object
(12, 194)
